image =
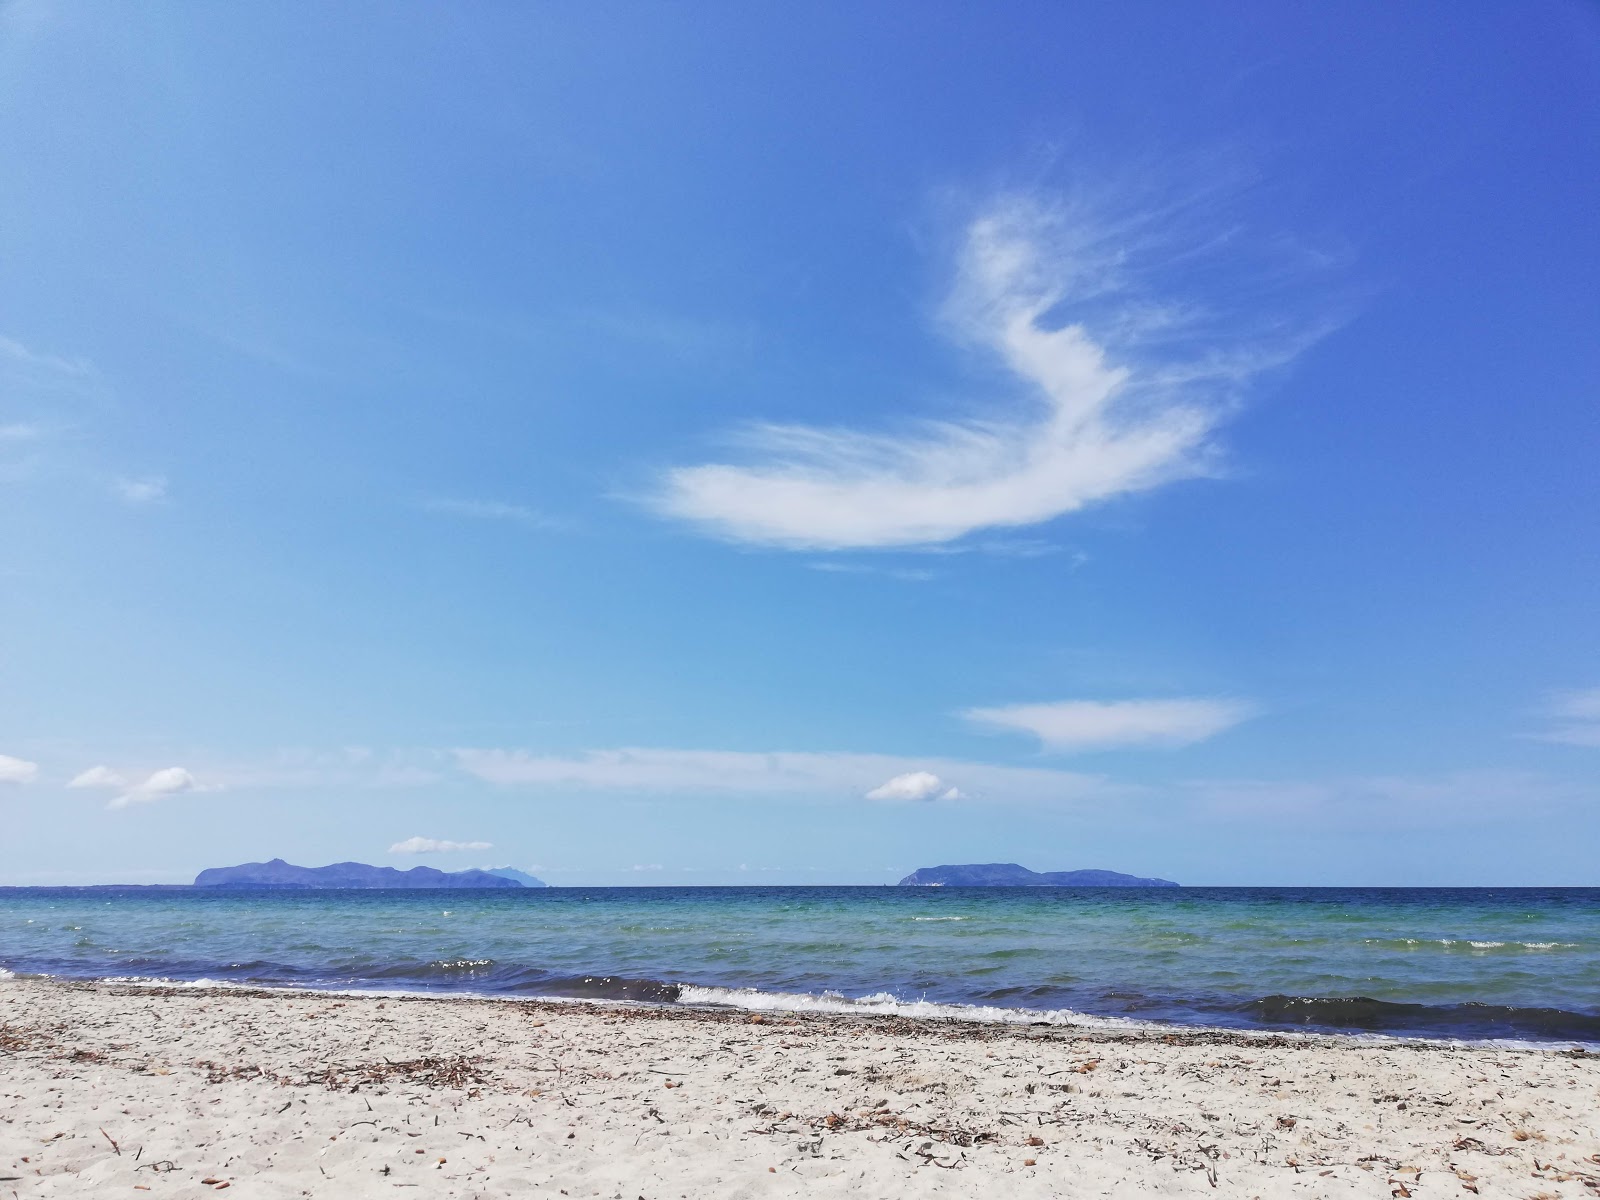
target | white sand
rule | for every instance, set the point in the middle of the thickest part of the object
(331, 1096)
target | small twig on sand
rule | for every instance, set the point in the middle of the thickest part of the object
(113, 1142)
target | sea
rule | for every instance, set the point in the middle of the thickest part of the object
(1473, 964)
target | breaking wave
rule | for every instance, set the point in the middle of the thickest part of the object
(883, 1004)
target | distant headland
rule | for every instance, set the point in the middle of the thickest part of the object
(1011, 875)
(279, 874)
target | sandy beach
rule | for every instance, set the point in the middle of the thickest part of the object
(119, 1090)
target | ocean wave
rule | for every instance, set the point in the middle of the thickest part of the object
(941, 918)
(1282, 1015)
(887, 1004)
(1468, 944)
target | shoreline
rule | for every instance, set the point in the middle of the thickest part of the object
(713, 1000)
(290, 1093)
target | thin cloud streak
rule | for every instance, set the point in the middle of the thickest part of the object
(147, 489)
(1082, 725)
(1576, 719)
(489, 510)
(785, 773)
(16, 353)
(1046, 290)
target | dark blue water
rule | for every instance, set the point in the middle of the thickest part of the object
(1469, 963)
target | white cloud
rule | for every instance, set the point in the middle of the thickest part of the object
(781, 773)
(17, 770)
(1576, 717)
(1103, 725)
(913, 785)
(20, 432)
(489, 510)
(422, 845)
(1122, 395)
(169, 781)
(147, 489)
(98, 777)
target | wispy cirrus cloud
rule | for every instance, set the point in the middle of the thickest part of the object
(1574, 718)
(423, 845)
(1376, 802)
(18, 356)
(489, 510)
(143, 489)
(1082, 725)
(1123, 390)
(905, 574)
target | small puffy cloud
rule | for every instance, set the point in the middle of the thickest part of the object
(99, 777)
(914, 785)
(1075, 725)
(169, 781)
(146, 489)
(17, 770)
(1575, 717)
(422, 845)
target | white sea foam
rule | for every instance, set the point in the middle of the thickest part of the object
(5, 974)
(1475, 945)
(886, 1004)
(941, 918)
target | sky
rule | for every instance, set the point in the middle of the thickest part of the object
(797, 444)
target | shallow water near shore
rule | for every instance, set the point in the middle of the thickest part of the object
(1469, 963)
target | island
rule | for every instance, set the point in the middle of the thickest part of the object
(1011, 875)
(280, 874)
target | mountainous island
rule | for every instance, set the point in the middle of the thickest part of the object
(279, 874)
(1011, 875)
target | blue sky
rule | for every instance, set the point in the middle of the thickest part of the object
(797, 445)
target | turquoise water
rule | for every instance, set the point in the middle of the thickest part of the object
(1479, 963)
